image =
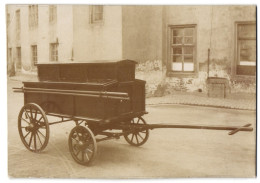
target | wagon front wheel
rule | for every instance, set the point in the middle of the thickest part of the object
(137, 135)
(82, 145)
(33, 127)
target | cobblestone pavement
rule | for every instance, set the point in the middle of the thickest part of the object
(233, 101)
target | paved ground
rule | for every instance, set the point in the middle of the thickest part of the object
(167, 153)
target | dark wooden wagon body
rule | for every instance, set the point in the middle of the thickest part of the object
(116, 76)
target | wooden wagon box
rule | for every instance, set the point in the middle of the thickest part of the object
(98, 77)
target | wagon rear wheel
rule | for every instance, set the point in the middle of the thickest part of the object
(137, 136)
(82, 145)
(33, 127)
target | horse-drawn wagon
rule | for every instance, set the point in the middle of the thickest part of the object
(100, 97)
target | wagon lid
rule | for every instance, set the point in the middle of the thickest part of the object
(90, 62)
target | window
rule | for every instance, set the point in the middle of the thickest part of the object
(246, 49)
(96, 13)
(34, 54)
(181, 54)
(18, 24)
(33, 16)
(54, 52)
(52, 13)
(18, 58)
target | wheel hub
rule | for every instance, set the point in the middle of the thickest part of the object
(33, 126)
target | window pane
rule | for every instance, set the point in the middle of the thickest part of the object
(188, 58)
(188, 32)
(177, 40)
(97, 13)
(188, 40)
(177, 50)
(247, 50)
(98, 16)
(188, 67)
(176, 66)
(188, 50)
(178, 32)
(177, 58)
(245, 31)
(98, 9)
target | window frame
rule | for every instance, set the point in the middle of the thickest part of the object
(92, 14)
(236, 49)
(169, 47)
(34, 57)
(55, 57)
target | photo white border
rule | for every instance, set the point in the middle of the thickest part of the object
(3, 65)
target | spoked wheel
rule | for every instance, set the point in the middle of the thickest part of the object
(137, 137)
(33, 127)
(82, 145)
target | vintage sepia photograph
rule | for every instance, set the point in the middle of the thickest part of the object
(100, 91)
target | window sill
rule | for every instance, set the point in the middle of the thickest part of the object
(181, 74)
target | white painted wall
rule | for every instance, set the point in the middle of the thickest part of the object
(99, 41)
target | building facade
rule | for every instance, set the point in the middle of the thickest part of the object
(172, 44)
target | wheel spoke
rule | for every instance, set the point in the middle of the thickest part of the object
(39, 138)
(25, 120)
(132, 137)
(77, 153)
(30, 140)
(136, 139)
(41, 133)
(35, 145)
(87, 156)
(42, 127)
(40, 119)
(36, 112)
(138, 121)
(26, 135)
(140, 136)
(89, 150)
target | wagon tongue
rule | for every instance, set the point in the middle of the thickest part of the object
(238, 129)
(232, 129)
